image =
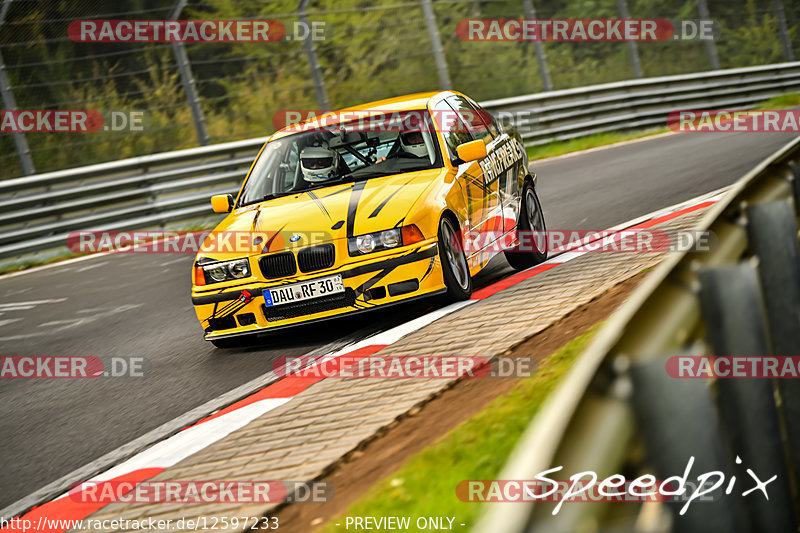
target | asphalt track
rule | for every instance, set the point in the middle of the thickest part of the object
(138, 306)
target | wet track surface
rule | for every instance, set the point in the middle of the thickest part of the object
(138, 306)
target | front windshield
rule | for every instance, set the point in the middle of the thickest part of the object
(345, 151)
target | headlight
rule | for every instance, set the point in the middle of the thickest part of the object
(374, 242)
(224, 271)
(383, 240)
(217, 272)
(391, 238)
(239, 269)
(365, 243)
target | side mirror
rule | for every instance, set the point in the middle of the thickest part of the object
(222, 203)
(471, 151)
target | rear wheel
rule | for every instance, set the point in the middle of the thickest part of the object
(455, 271)
(531, 219)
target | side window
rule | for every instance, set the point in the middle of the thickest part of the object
(489, 120)
(290, 169)
(477, 119)
(454, 131)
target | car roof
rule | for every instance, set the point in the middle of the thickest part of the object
(407, 102)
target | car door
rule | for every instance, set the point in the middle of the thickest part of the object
(488, 184)
(469, 175)
(508, 153)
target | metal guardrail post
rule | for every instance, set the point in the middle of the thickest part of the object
(711, 46)
(622, 6)
(541, 58)
(313, 59)
(20, 143)
(187, 80)
(732, 307)
(436, 43)
(678, 421)
(784, 31)
(772, 233)
(179, 50)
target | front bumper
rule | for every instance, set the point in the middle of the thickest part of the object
(410, 272)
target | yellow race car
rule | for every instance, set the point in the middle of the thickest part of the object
(366, 207)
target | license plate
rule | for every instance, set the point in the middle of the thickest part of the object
(304, 290)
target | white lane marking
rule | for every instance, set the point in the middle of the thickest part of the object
(9, 321)
(98, 313)
(712, 196)
(390, 336)
(89, 267)
(65, 324)
(12, 292)
(19, 337)
(19, 308)
(108, 310)
(396, 333)
(191, 440)
(173, 261)
(33, 302)
(564, 257)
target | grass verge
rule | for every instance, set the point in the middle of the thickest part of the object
(24, 265)
(556, 148)
(782, 101)
(477, 449)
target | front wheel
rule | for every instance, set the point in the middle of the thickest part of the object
(531, 220)
(455, 271)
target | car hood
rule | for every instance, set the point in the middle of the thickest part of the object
(330, 213)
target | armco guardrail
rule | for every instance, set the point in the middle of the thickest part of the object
(571, 113)
(619, 411)
(39, 211)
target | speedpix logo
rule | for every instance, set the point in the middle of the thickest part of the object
(500, 160)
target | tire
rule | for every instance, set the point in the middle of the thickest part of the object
(531, 218)
(455, 270)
